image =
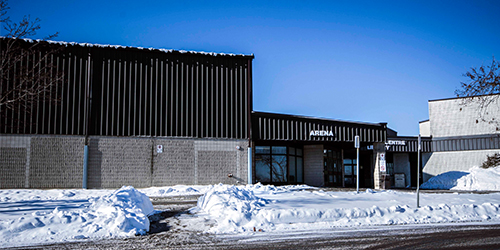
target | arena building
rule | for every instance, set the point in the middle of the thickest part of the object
(154, 117)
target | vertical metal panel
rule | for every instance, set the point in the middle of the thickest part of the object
(37, 131)
(226, 99)
(197, 100)
(154, 94)
(56, 95)
(128, 104)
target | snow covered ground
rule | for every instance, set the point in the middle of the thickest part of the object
(45, 216)
(30, 217)
(238, 209)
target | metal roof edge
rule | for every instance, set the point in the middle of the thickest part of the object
(462, 97)
(382, 125)
(409, 137)
(132, 47)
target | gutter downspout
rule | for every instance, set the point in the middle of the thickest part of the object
(86, 124)
(250, 180)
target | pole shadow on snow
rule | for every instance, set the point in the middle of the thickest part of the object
(157, 223)
(170, 207)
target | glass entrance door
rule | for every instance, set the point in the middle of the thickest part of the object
(332, 168)
(350, 172)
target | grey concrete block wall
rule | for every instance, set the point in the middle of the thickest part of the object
(441, 162)
(314, 165)
(200, 162)
(451, 118)
(217, 160)
(57, 161)
(216, 165)
(176, 164)
(14, 161)
(12, 167)
(115, 162)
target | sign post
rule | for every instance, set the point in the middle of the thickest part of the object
(356, 145)
(418, 170)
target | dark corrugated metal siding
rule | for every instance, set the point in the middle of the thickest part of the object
(269, 126)
(140, 92)
(480, 142)
(411, 144)
(44, 117)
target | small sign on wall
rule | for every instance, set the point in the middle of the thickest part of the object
(382, 166)
(159, 149)
(382, 163)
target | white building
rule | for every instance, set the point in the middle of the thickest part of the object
(463, 134)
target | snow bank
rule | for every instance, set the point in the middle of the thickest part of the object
(477, 178)
(122, 213)
(60, 218)
(268, 208)
(233, 207)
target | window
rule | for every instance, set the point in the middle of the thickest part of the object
(278, 164)
(296, 168)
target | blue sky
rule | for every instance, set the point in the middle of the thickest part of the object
(369, 61)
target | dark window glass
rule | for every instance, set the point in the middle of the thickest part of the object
(348, 169)
(262, 149)
(262, 168)
(299, 151)
(291, 169)
(279, 164)
(279, 150)
(348, 181)
(300, 170)
(279, 168)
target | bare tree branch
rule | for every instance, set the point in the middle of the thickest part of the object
(482, 87)
(27, 75)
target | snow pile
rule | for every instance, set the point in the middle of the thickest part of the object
(57, 218)
(122, 213)
(479, 179)
(268, 208)
(446, 180)
(233, 207)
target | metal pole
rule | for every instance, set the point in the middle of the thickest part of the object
(249, 166)
(357, 171)
(418, 171)
(356, 145)
(85, 166)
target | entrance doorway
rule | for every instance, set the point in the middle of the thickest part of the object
(333, 168)
(350, 172)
